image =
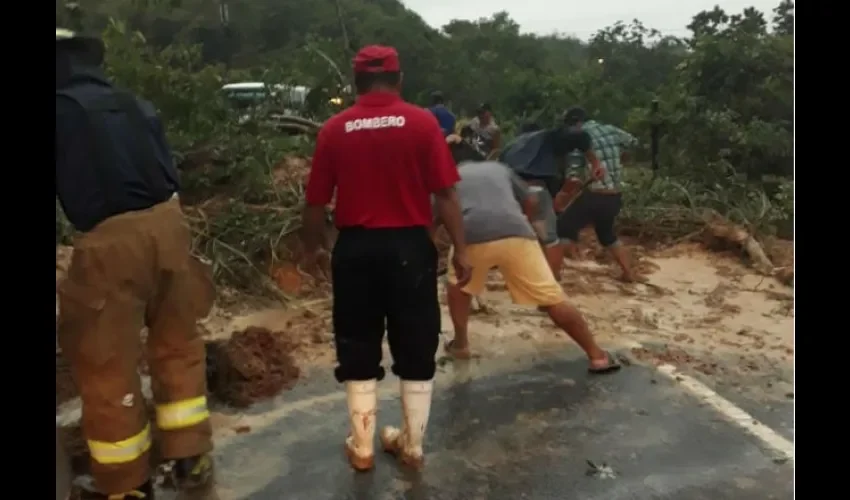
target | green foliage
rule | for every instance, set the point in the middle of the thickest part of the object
(238, 213)
(726, 98)
(184, 89)
(731, 103)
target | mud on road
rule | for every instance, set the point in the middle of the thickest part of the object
(704, 312)
(707, 313)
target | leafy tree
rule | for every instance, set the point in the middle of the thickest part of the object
(726, 94)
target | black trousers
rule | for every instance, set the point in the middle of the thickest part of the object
(385, 280)
(599, 209)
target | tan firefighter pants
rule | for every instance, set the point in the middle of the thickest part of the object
(131, 270)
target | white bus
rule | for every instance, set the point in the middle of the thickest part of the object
(248, 94)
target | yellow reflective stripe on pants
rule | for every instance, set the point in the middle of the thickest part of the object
(126, 495)
(123, 451)
(182, 414)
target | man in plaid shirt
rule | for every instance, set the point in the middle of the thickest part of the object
(602, 201)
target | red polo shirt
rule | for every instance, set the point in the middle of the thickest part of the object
(385, 158)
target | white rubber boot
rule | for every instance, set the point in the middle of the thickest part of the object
(406, 443)
(362, 411)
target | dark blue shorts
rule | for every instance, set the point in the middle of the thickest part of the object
(599, 209)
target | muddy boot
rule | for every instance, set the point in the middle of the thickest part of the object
(193, 473)
(144, 492)
(362, 410)
(406, 443)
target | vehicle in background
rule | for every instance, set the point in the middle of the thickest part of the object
(288, 107)
(246, 95)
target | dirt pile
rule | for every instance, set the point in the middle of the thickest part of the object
(253, 365)
(295, 281)
(284, 267)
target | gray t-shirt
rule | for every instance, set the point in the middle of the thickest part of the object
(490, 197)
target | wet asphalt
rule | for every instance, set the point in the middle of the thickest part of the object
(767, 394)
(533, 429)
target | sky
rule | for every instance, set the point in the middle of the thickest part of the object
(582, 18)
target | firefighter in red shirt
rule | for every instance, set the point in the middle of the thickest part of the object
(385, 158)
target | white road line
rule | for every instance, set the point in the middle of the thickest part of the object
(71, 414)
(733, 413)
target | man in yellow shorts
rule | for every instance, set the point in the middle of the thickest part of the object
(497, 207)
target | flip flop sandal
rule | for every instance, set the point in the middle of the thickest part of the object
(455, 352)
(612, 366)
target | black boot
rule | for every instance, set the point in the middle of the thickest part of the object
(143, 492)
(193, 473)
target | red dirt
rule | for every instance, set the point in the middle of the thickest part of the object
(254, 365)
(306, 283)
(288, 278)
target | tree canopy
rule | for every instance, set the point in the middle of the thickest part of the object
(732, 78)
(725, 92)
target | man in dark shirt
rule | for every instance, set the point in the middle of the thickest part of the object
(384, 158)
(539, 158)
(445, 118)
(601, 203)
(131, 268)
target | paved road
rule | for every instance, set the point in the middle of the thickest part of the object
(766, 394)
(523, 429)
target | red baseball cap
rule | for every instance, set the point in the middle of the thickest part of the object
(376, 59)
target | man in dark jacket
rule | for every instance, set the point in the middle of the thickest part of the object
(539, 158)
(131, 267)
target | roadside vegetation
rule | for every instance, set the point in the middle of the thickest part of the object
(725, 105)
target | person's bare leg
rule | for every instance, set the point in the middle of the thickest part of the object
(621, 255)
(459, 304)
(555, 258)
(569, 319)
